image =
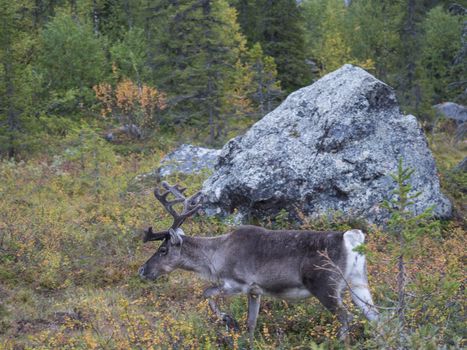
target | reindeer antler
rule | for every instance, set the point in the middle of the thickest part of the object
(190, 206)
(149, 235)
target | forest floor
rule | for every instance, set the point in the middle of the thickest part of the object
(70, 248)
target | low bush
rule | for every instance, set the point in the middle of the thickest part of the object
(70, 249)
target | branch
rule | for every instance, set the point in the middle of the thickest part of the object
(330, 266)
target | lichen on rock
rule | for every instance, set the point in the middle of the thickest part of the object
(329, 147)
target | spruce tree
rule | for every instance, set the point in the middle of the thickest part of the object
(409, 92)
(112, 18)
(410, 62)
(72, 61)
(42, 11)
(130, 56)
(265, 90)
(16, 78)
(197, 62)
(331, 35)
(279, 27)
(372, 33)
(439, 46)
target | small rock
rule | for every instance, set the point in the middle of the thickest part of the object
(188, 159)
(453, 111)
(462, 166)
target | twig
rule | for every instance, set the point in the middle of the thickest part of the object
(336, 269)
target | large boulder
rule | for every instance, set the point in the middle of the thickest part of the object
(329, 147)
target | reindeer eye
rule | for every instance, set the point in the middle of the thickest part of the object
(163, 250)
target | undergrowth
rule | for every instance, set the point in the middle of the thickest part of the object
(70, 248)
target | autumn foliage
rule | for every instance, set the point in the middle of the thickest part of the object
(70, 248)
(131, 104)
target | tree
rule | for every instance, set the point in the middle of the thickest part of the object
(335, 51)
(112, 18)
(42, 10)
(198, 62)
(95, 156)
(439, 46)
(278, 26)
(265, 89)
(135, 107)
(331, 30)
(16, 78)
(372, 34)
(405, 227)
(72, 61)
(130, 56)
(410, 30)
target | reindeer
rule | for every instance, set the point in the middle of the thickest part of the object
(251, 260)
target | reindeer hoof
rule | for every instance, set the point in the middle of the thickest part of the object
(344, 333)
(230, 323)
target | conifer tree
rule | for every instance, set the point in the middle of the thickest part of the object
(265, 88)
(42, 10)
(372, 33)
(16, 78)
(439, 45)
(330, 36)
(411, 31)
(72, 61)
(112, 18)
(334, 50)
(278, 26)
(197, 62)
(130, 55)
(405, 225)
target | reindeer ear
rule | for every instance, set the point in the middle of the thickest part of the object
(176, 236)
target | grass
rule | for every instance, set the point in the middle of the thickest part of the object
(70, 248)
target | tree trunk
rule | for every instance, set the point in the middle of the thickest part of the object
(12, 117)
(409, 43)
(401, 295)
(74, 12)
(212, 127)
(148, 33)
(260, 72)
(95, 18)
(129, 16)
(37, 13)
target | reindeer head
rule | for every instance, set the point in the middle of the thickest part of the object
(168, 256)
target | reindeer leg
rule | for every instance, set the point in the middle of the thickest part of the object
(343, 317)
(229, 321)
(361, 297)
(334, 304)
(254, 301)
